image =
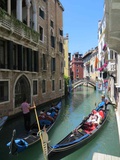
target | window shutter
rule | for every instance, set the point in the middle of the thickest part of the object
(20, 59)
(36, 61)
(10, 54)
(29, 59)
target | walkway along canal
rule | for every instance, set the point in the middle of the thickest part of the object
(75, 108)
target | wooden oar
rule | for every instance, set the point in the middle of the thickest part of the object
(43, 141)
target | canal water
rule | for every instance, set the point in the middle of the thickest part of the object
(74, 109)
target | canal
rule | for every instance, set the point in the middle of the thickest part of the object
(74, 109)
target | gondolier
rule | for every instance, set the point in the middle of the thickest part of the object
(104, 102)
(26, 113)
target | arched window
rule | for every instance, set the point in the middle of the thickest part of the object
(22, 89)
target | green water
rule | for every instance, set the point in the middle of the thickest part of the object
(74, 109)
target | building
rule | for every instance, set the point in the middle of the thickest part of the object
(66, 56)
(76, 66)
(31, 53)
(111, 51)
(108, 54)
(91, 60)
(86, 60)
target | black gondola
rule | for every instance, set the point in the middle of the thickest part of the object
(80, 136)
(27, 139)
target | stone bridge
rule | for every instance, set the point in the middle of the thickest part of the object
(84, 82)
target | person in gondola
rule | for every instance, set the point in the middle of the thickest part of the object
(52, 112)
(103, 104)
(44, 119)
(92, 122)
(26, 113)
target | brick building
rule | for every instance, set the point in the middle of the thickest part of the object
(31, 53)
(76, 66)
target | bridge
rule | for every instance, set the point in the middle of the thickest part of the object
(84, 82)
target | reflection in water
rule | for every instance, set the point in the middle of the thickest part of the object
(75, 108)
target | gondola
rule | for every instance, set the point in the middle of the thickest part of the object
(27, 139)
(2, 121)
(80, 136)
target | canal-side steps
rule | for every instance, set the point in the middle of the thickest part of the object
(100, 156)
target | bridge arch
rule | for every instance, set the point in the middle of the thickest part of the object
(82, 82)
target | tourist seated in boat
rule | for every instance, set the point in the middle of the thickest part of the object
(93, 121)
(55, 107)
(52, 112)
(100, 112)
(44, 119)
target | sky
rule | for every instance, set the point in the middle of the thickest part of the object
(80, 22)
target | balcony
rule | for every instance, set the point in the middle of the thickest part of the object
(11, 26)
(111, 67)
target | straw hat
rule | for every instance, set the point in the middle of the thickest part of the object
(103, 95)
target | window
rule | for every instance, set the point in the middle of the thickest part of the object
(60, 47)
(41, 33)
(44, 66)
(29, 59)
(53, 64)
(51, 23)
(2, 54)
(52, 41)
(60, 85)
(111, 54)
(41, 13)
(91, 68)
(53, 85)
(35, 65)
(61, 32)
(15, 57)
(35, 87)
(24, 58)
(22, 89)
(77, 70)
(62, 67)
(4, 94)
(43, 86)
(116, 59)
(3, 5)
